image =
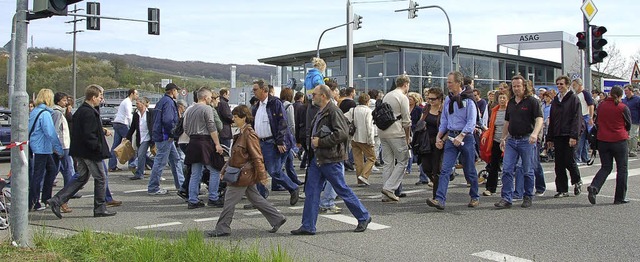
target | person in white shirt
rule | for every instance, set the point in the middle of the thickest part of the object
(121, 124)
(142, 125)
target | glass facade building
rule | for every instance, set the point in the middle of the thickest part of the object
(376, 64)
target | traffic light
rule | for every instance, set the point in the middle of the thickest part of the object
(412, 9)
(357, 22)
(93, 23)
(154, 21)
(582, 40)
(597, 44)
(47, 8)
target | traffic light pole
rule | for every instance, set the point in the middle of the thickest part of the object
(349, 44)
(75, 62)
(329, 29)
(19, 131)
(586, 77)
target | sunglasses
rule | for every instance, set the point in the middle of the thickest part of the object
(432, 98)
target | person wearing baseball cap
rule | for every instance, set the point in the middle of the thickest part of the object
(165, 118)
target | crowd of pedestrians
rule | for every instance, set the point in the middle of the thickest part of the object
(333, 131)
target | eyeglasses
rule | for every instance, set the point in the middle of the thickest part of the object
(432, 98)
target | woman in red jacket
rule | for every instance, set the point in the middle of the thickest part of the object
(613, 123)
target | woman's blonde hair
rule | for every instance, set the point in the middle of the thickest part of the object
(416, 97)
(45, 96)
(319, 63)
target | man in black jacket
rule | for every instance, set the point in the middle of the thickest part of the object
(88, 149)
(565, 121)
(224, 111)
(329, 135)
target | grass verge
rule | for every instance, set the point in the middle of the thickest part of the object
(92, 246)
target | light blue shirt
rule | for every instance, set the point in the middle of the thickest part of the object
(462, 118)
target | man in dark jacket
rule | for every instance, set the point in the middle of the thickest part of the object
(275, 138)
(329, 135)
(165, 118)
(300, 115)
(88, 148)
(224, 111)
(565, 122)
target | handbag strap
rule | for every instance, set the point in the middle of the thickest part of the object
(34, 123)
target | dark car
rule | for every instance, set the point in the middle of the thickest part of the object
(107, 114)
(5, 131)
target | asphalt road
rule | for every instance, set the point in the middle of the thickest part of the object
(567, 229)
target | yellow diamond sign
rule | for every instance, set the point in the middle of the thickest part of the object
(589, 10)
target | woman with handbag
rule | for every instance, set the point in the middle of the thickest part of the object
(242, 172)
(490, 142)
(432, 160)
(362, 140)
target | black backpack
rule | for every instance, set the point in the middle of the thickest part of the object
(178, 129)
(383, 116)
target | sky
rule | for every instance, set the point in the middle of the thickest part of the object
(242, 31)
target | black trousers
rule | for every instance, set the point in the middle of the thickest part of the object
(494, 167)
(565, 161)
(431, 164)
(608, 152)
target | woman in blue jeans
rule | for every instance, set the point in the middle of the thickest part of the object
(613, 124)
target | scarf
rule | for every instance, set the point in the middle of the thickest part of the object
(466, 93)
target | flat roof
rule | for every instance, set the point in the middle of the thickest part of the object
(391, 46)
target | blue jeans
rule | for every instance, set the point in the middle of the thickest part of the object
(66, 168)
(467, 153)
(328, 196)
(318, 175)
(143, 159)
(119, 132)
(582, 148)
(273, 160)
(166, 152)
(196, 178)
(538, 174)
(517, 149)
(290, 168)
(107, 197)
(45, 169)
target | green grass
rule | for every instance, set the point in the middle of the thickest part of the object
(92, 246)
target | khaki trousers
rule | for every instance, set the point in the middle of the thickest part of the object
(364, 158)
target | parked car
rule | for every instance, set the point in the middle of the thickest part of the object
(108, 114)
(5, 131)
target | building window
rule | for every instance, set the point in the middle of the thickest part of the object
(412, 63)
(432, 63)
(466, 65)
(392, 61)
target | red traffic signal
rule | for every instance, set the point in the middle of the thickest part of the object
(598, 31)
(597, 44)
(582, 40)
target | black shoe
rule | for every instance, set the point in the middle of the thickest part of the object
(302, 232)
(248, 206)
(561, 195)
(577, 188)
(183, 195)
(217, 234)
(216, 203)
(278, 189)
(116, 169)
(195, 205)
(55, 208)
(135, 178)
(592, 194)
(435, 203)
(526, 202)
(502, 204)
(105, 214)
(402, 195)
(76, 196)
(277, 226)
(619, 202)
(362, 226)
(421, 183)
(295, 196)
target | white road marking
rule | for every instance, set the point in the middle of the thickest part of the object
(495, 256)
(587, 179)
(158, 225)
(414, 191)
(135, 191)
(354, 221)
(296, 207)
(206, 219)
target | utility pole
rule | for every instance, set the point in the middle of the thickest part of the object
(74, 63)
(349, 44)
(19, 127)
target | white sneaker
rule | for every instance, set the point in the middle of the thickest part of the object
(540, 193)
(162, 179)
(364, 180)
(301, 195)
(160, 191)
(375, 169)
